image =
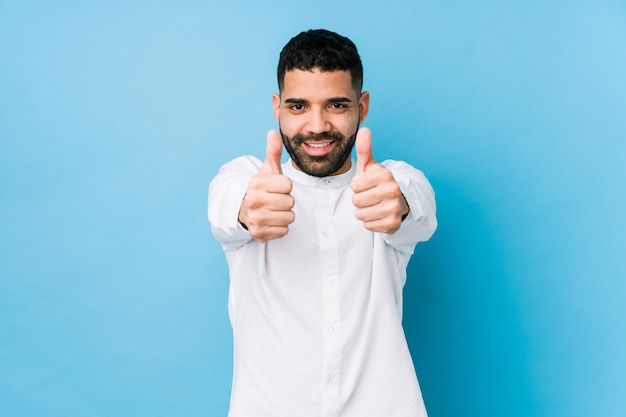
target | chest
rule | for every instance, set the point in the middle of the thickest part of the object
(325, 236)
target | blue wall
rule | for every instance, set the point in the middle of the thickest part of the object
(114, 116)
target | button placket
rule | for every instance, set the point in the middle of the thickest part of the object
(331, 299)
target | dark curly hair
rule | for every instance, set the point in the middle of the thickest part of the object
(324, 50)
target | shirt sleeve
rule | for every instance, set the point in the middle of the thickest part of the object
(421, 222)
(226, 192)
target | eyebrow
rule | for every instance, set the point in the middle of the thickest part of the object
(330, 100)
(295, 100)
(339, 100)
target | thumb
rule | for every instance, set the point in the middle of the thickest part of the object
(363, 146)
(273, 153)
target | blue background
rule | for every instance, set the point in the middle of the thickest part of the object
(114, 117)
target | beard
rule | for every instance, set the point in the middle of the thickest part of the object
(322, 165)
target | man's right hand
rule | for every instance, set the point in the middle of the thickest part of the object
(266, 208)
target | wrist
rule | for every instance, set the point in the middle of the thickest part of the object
(240, 216)
(406, 209)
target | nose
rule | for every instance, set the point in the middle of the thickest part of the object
(318, 122)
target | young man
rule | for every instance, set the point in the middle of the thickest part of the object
(317, 250)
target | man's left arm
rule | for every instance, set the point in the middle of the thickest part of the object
(421, 220)
(392, 198)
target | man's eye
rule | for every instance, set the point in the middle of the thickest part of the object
(296, 107)
(337, 105)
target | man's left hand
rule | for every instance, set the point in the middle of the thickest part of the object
(379, 203)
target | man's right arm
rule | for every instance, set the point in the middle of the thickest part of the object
(226, 192)
(266, 208)
(248, 200)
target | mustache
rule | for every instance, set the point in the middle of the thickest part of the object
(318, 137)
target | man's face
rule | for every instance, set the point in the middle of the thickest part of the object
(319, 114)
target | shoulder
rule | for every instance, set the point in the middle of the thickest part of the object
(242, 164)
(401, 168)
(234, 174)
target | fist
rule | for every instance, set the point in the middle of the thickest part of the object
(266, 210)
(379, 203)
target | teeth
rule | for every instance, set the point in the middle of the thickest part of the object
(317, 145)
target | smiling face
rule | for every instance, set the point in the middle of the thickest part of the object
(319, 114)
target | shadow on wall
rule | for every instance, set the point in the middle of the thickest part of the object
(461, 319)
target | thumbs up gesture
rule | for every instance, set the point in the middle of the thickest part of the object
(266, 208)
(379, 203)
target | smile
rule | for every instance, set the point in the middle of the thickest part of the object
(317, 145)
(317, 148)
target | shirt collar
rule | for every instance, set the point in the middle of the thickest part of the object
(333, 181)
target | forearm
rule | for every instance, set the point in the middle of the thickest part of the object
(420, 222)
(226, 192)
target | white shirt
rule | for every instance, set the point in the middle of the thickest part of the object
(317, 314)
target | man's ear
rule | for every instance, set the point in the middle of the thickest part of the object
(364, 105)
(276, 106)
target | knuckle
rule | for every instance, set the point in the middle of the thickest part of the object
(355, 184)
(252, 200)
(253, 222)
(288, 184)
(395, 207)
(255, 182)
(392, 190)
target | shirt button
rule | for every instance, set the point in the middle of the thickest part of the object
(325, 181)
(331, 329)
(329, 280)
(327, 196)
(332, 378)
